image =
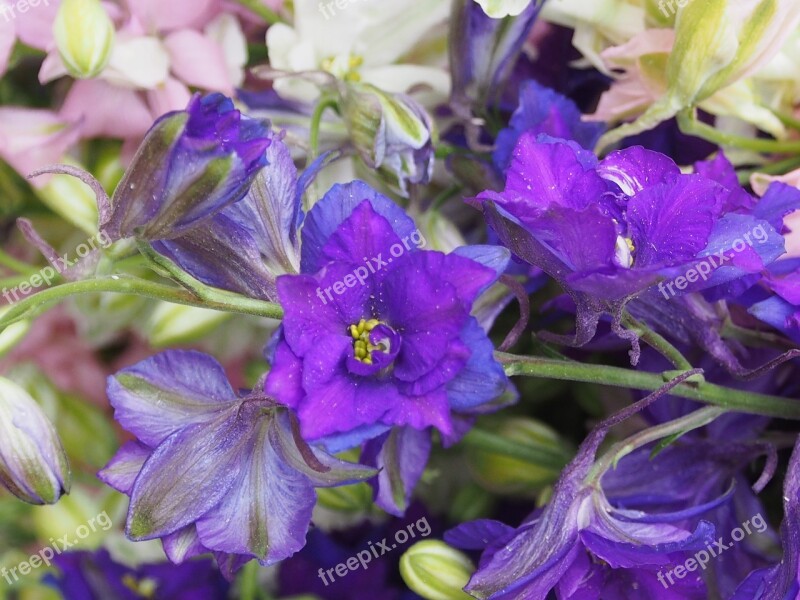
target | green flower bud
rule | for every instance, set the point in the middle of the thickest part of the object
(504, 474)
(13, 334)
(84, 35)
(391, 132)
(33, 465)
(172, 324)
(436, 571)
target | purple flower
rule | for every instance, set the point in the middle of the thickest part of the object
(96, 576)
(378, 333)
(781, 581)
(210, 471)
(584, 546)
(483, 52)
(249, 244)
(614, 228)
(191, 164)
(33, 464)
(542, 110)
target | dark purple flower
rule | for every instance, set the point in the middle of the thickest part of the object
(378, 333)
(781, 581)
(542, 110)
(96, 576)
(614, 228)
(191, 164)
(213, 472)
(483, 52)
(582, 546)
(249, 244)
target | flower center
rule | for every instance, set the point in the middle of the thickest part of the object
(362, 342)
(624, 252)
(344, 66)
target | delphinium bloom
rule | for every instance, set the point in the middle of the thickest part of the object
(378, 344)
(609, 230)
(192, 164)
(96, 576)
(211, 471)
(781, 581)
(33, 464)
(377, 332)
(584, 547)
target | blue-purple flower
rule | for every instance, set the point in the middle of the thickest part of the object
(212, 471)
(585, 547)
(378, 333)
(543, 110)
(96, 576)
(33, 464)
(246, 246)
(191, 164)
(613, 228)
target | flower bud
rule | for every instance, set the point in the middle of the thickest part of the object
(718, 43)
(172, 324)
(13, 334)
(499, 9)
(504, 474)
(192, 164)
(33, 465)
(390, 131)
(436, 571)
(84, 34)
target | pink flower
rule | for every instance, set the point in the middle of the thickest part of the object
(31, 138)
(161, 49)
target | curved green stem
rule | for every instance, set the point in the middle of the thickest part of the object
(688, 124)
(618, 451)
(325, 102)
(121, 284)
(707, 393)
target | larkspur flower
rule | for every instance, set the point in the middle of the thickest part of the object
(246, 246)
(611, 230)
(33, 464)
(192, 164)
(582, 546)
(210, 471)
(378, 333)
(96, 576)
(782, 580)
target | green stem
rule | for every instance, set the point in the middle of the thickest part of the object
(689, 125)
(491, 442)
(787, 120)
(657, 342)
(16, 265)
(777, 168)
(269, 15)
(120, 284)
(613, 455)
(708, 393)
(325, 102)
